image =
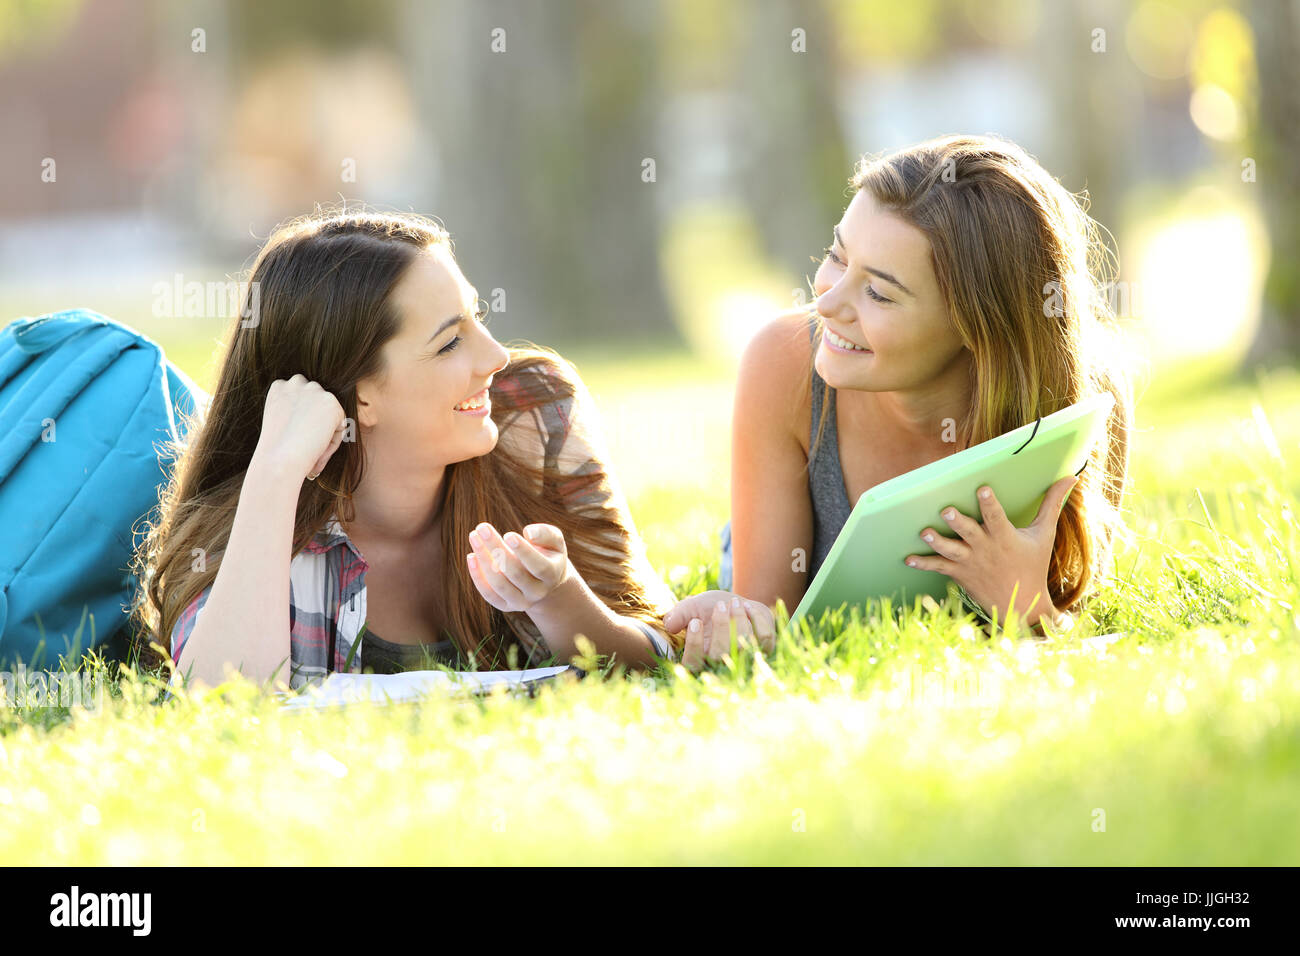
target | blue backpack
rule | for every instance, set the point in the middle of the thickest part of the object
(85, 407)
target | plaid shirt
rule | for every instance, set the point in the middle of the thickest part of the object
(327, 579)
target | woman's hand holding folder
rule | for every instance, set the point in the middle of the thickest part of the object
(992, 560)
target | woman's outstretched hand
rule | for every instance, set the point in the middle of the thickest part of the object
(707, 619)
(518, 571)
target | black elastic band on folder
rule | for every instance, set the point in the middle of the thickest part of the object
(1031, 438)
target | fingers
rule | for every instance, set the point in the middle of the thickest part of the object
(744, 627)
(760, 615)
(701, 635)
(484, 588)
(530, 586)
(697, 645)
(720, 638)
(335, 442)
(953, 549)
(754, 617)
(698, 606)
(695, 606)
(726, 618)
(489, 536)
(931, 562)
(534, 568)
(491, 564)
(967, 528)
(527, 570)
(546, 536)
(995, 519)
(1067, 487)
(707, 620)
(682, 612)
(536, 563)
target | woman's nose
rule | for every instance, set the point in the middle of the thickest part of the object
(498, 355)
(829, 302)
(821, 284)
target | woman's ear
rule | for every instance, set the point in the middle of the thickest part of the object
(365, 406)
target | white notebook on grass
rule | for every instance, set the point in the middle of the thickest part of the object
(337, 689)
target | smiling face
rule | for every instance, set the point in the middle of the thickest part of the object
(876, 291)
(433, 393)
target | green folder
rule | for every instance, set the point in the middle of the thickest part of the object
(866, 560)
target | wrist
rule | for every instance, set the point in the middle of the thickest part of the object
(271, 469)
(571, 586)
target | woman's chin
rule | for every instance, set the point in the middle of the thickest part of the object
(488, 440)
(479, 445)
(830, 367)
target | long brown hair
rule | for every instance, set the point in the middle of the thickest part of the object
(1024, 273)
(320, 290)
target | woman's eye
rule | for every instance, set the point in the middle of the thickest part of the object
(830, 254)
(876, 295)
(449, 346)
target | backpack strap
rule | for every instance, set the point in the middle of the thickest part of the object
(49, 391)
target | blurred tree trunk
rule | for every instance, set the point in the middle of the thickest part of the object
(1276, 24)
(536, 158)
(795, 166)
(1085, 141)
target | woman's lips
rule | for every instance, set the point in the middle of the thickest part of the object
(830, 339)
(477, 404)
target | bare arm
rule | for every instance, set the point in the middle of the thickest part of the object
(771, 513)
(573, 608)
(245, 622)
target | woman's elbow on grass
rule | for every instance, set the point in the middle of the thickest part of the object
(207, 660)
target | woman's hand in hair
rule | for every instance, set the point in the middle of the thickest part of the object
(993, 558)
(708, 619)
(516, 572)
(302, 426)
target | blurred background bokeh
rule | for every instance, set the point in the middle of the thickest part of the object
(642, 184)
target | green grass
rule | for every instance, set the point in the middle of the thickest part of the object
(880, 738)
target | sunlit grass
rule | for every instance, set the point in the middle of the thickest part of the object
(885, 738)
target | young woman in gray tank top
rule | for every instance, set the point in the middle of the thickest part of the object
(956, 302)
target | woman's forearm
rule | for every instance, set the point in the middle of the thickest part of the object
(244, 623)
(572, 609)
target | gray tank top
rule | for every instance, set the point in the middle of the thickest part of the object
(830, 500)
(385, 657)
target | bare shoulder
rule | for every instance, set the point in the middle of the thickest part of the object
(774, 370)
(781, 347)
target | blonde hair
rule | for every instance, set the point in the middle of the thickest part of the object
(1023, 271)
